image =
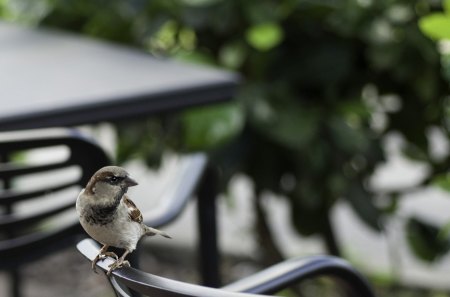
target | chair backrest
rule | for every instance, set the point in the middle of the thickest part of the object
(41, 172)
(263, 283)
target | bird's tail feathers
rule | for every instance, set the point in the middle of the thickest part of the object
(149, 231)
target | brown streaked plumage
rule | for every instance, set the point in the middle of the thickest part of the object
(109, 216)
(134, 213)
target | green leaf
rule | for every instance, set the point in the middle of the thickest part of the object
(265, 36)
(436, 26)
(444, 232)
(305, 219)
(425, 240)
(290, 125)
(200, 2)
(210, 127)
(195, 57)
(446, 6)
(144, 140)
(347, 138)
(445, 61)
(232, 55)
(361, 201)
(392, 204)
(442, 181)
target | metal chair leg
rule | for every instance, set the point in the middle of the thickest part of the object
(13, 274)
(15, 283)
(208, 247)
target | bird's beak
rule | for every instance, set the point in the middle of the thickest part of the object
(130, 182)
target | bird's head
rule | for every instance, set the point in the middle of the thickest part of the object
(110, 182)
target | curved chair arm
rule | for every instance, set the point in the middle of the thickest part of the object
(149, 284)
(268, 281)
(289, 272)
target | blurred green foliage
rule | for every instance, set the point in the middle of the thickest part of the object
(324, 82)
(429, 241)
(437, 24)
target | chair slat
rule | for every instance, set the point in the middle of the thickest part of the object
(10, 196)
(11, 170)
(22, 221)
(33, 246)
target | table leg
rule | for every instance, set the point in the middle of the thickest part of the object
(207, 222)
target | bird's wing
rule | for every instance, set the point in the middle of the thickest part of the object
(133, 212)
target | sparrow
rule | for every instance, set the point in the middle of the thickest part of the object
(109, 216)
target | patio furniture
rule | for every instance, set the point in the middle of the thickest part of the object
(128, 281)
(21, 242)
(57, 79)
(29, 235)
(52, 78)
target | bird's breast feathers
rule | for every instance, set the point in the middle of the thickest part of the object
(121, 228)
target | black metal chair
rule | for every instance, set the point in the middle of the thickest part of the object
(29, 235)
(127, 281)
(21, 242)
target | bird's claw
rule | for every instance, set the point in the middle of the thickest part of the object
(118, 264)
(102, 256)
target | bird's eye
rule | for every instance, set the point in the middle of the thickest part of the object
(113, 179)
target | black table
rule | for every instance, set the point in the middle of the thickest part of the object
(49, 78)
